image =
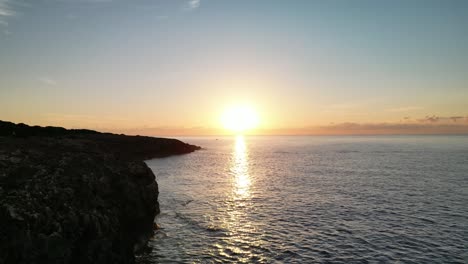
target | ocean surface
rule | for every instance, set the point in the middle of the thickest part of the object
(355, 199)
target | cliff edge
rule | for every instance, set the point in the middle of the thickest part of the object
(76, 196)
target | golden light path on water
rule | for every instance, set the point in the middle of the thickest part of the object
(240, 240)
(240, 169)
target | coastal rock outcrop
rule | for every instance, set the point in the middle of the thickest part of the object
(76, 196)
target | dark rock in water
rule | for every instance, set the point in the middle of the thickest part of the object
(76, 196)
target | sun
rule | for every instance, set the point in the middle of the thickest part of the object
(239, 118)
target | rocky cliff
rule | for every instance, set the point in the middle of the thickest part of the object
(76, 196)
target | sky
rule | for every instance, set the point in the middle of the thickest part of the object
(170, 67)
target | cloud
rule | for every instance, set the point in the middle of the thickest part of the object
(429, 125)
(162, 17)
(71, 16)
(441, 119)
(193, 4)
(6, 11)
(405, 109)
(85, 1)
(343, 106)
(430, 119)
(351, 128)
(48, 81)
(395, 128)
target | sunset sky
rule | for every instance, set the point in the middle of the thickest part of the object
(171, 67)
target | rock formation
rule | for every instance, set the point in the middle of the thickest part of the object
(76, 196)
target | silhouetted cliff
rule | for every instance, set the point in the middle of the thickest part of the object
(76, 196)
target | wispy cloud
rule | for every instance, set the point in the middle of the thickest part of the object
(393, 128)
(405, 109)
(85, 1)
(162, 17)
(193, 4)
(6, 11)
(384, 128)
(48, 81)
(439, 119)
(343, 106)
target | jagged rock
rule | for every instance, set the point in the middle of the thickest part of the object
(76, 196)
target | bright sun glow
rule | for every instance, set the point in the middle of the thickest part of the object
(240, 118)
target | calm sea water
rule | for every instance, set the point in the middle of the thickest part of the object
(384, 199)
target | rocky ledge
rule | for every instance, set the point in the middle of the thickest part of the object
(76, 196)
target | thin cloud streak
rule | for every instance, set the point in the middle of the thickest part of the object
(85, 1)
(48, 81)
(193, 4)
(6, 11)
(440, 119)
(373, 129)
(405, 109)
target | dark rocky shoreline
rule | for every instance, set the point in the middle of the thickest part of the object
(77, 196)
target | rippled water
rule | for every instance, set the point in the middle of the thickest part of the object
(314, 199)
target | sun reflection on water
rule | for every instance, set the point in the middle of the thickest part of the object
(239, 243)
(240, 169)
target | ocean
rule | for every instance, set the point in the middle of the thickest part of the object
(317, 199)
